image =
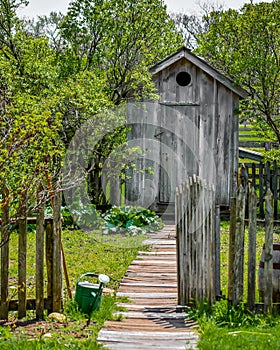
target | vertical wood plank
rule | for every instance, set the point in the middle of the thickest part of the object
(267, 176)
(192, 241)
(212, 250)
(184, 243)
(194, 238)
(57, 268)
(238, 265)
(188, 244)
(217, 252)
(207, 253)
(178, 200)
(204, 198)
(261, 184)
(115, 190)
(254, 175)
(22, 252)
(198, 242)
(268, 253)
(5, 253)
(40, 261)
(275, 190)
(252, 248)
(231, 253)
(49, 261)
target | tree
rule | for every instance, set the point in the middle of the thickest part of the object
(123, 39)
(46, 26)
(117, 41)
(245, 45)
(191, 25)
(30, 144)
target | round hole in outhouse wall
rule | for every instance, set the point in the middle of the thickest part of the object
(183, 78)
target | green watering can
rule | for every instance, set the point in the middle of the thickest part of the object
(88, 295)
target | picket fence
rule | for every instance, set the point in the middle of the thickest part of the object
(262, 176)
(198, 248)
(197, 258)
(48, 239)
(236, 273)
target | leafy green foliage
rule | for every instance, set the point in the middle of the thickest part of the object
(132, 220)
(245, 45)
(123, 38)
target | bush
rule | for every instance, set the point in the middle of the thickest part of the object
(132, 220)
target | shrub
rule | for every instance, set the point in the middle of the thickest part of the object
(132, 220)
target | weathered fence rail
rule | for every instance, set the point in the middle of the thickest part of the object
(249, 137)
(196, 242)
(237, 251)
(263, 176)
(48, 239)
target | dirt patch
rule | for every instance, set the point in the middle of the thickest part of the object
(46, 329)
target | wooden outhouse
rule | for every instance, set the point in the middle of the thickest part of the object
(191, 129)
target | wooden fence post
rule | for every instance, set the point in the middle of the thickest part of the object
(178, 223)
(231, 253)
(57, 267)
(217, 252)
(184, 245)
(115, 190)
(5, 253)
(22, 252)
(49, 262)
(238, 265)
(275, 190)
(212, 249)
(252, 248)
(188, 242)
(197, 230)
(268, 253)
(261, 187)
(40, 260)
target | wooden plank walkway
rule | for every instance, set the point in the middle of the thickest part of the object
(152, 320)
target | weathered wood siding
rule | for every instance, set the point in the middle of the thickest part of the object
(209, 106)
(196, 130)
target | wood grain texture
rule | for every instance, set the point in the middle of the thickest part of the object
(153, 319)
(196, 242)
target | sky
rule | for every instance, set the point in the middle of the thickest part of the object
(44, 7)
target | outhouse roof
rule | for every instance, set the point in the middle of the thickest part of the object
(185, 53)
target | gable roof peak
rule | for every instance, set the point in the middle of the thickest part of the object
(185, 53)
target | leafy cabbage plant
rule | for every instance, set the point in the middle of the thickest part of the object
(131, 219)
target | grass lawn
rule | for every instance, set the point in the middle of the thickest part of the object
(256, 338)
(84, 252)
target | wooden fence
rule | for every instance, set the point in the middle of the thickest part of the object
(197, 242)
(236, 275)
(262, 176)
(249, 137)
(48, 237)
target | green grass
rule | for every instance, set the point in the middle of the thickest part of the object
(84, 252)
(214, 337)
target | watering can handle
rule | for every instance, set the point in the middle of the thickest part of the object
(87, 274)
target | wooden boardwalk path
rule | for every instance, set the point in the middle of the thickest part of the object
(153, 319)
